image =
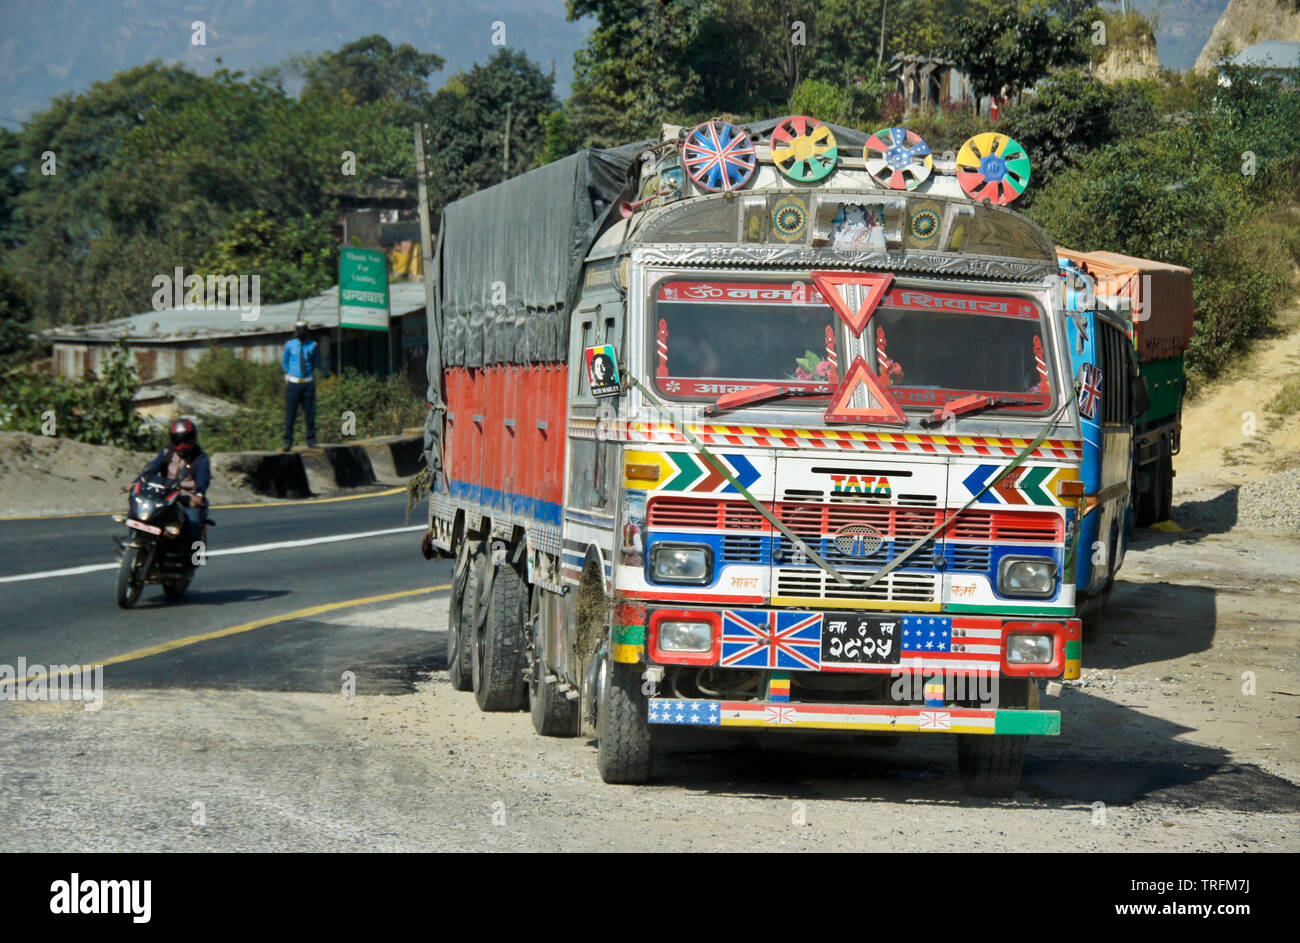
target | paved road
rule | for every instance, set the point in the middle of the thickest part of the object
(73, 618)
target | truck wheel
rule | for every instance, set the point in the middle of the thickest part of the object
(1166, 476)
(990, 764)
(497, 658)
(1146, 508)
(554, 714)
(622, 724)
(459, 619)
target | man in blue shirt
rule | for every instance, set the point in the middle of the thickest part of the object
(299, 362)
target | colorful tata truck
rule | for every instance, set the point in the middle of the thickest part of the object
(1152, 302)
(780, 427)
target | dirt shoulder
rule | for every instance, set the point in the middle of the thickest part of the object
(1162, 749)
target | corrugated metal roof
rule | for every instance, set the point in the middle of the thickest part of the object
(1272, 53)
(177, 325)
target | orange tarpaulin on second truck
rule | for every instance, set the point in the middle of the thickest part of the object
(1161, 295)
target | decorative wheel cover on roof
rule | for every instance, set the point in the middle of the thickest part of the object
(993, 166)
(719, 156)
(898, 158)
(803, 148)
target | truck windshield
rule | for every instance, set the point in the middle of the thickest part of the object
(715, 337)
(931, 347)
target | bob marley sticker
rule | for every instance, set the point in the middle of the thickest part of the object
(602, 370)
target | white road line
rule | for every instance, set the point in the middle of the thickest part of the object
(254, 548)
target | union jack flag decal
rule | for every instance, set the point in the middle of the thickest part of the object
(1089, 391)
(719, 156)
(772, 639)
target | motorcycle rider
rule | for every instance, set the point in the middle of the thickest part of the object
(186, 461)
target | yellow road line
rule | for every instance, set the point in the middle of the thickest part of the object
(273, 503)
(238, 629)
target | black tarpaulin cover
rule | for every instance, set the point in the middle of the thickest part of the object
(510, 256)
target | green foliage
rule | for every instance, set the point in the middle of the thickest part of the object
(382, 406)
(1071, 114)
(219, 372)
(1016, 48)
(369, 70)
(469, 124)
(15, 319)
(561, 141)
(296, 258)
(822, 99)
(638, 67)
(157, 166)
(1178, 193)
(100, 411)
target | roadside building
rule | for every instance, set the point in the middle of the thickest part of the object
(162, 342)
(1274, 57)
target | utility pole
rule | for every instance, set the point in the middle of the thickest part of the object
(426, 260)
(505, 157)
(880, 50)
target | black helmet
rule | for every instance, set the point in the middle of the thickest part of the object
(185, 437)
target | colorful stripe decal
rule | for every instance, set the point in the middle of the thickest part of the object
(773, 713)
(865, 440)
(1073, 659)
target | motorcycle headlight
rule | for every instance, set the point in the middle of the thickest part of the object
(681, 563)
(1027, 576)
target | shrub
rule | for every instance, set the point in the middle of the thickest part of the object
(101, 411)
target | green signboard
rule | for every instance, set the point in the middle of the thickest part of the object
(363, 289)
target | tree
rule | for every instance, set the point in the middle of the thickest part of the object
(468, 126)
(1014, 49)
(1070, 114)
(371, 69)
(15, 318)
(295, 258)
(638, 66)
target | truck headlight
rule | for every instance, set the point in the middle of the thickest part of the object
(1029, 649)
(685, 636)
(681, 563)
(1027, 576)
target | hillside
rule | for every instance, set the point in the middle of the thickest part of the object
(1246, 22)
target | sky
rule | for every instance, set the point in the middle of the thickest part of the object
(48, 47)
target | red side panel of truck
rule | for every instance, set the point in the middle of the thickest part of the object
(504, 447)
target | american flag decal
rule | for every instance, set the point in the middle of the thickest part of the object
(927, 634)
(1089, 391)
(772, 639)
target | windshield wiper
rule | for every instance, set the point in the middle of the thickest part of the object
(763, 393)
(966, 406)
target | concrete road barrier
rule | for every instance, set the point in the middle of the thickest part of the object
(326, 469)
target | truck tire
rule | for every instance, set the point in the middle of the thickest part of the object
(990, 764)
(622, 724)
(460, 617)
(1166, 476)
(1145, 507)
(554, 713)
(497, 658)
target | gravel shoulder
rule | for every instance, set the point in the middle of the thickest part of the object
(1159, 731)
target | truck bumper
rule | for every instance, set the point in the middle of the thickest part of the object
(794, 716)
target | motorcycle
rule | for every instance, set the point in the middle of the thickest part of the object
(154, 549)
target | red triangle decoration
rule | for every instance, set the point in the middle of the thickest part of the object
(853, 295)
(880, 407)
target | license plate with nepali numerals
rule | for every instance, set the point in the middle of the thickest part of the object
(147, 528)
(852, 639)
